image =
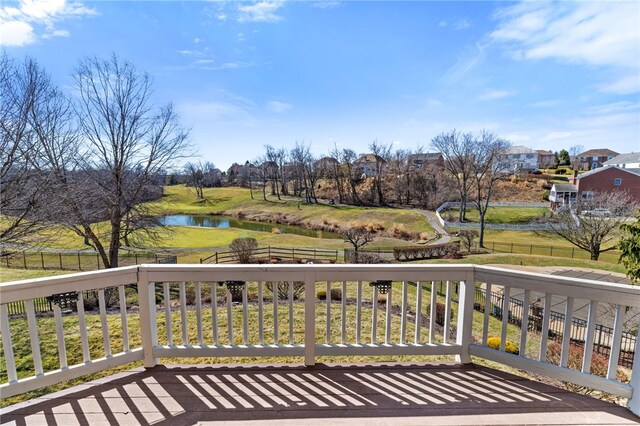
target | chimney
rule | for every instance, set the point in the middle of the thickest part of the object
(573, 178)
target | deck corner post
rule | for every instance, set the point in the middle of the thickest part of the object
(309, 318)
(148, 329)
(465, 317)
(634, 402)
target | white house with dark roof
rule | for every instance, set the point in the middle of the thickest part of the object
(519, 158)
(625, 161)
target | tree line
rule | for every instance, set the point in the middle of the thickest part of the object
(84, 159)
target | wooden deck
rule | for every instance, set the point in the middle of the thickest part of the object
(330, 394)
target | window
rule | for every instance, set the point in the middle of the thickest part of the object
(587, 195)
(617, 181)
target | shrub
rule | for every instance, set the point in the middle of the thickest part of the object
(599, 364)
(282, 288)
(545, 196)
(509, 346)
(561, 171)
(243, 249)
(336, 294)
(467, 237)
(425, 252)
(440, 313)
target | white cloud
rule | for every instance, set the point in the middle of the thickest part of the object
(491, 95)
(461, 24)
(56, 33)
(545, 104)
(262, 11)
(326, 4)
(443, 23)
(599, 34)
(203, 61)
(556, 135)
(465, 64)
(278, 107)
(16, 33)
(517, 137)
(20, 25)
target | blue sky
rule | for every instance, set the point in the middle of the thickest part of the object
(246, 74)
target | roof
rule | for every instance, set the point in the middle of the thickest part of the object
(632, 157)
(370, 158)
(602, 152)
(564, 187)
(519, 150)
(426, 156)
(544, 152)
(601, 169)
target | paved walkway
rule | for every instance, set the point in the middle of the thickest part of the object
(435, 224)
(375, 394)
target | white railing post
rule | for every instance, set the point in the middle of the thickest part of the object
(465, 317)
(310, 318)
(148, 323)
(634, 401)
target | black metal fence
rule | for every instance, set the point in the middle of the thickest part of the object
(567, 252)
(515, 309)
(76, 261)
(268, 254)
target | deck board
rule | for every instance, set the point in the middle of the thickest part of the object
(335, 394)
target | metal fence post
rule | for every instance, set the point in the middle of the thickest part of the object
(42, 259)
(60, 257)
(79, 266)
(24, 259)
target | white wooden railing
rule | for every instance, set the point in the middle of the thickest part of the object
(165, 311)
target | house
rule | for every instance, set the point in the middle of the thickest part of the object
(519, 158)
(368, 165)
(562, 194)
(326, 166)
(594, 158)
(607, 179)
(625, 161)
(546, 159)
(417, 161)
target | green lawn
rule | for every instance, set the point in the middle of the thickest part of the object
(179, 199)
(504, 214)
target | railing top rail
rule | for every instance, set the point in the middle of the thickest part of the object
(576, 287)
(40, 287)
(616, 293)
(347, 272)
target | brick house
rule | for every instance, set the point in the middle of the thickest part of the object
(546, 159)
(594, 158)
(608, 179)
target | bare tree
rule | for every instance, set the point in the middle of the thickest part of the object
(486, 169)
(595, 223)
(456, 149)
(381, 152)
(337, 173)
(125, 144)
(199, 176)
(357, 237)
(347, 157)
(24, 88)
(573, 156)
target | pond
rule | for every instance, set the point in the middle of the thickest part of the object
(211, 221)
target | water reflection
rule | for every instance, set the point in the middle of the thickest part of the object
(208, 221)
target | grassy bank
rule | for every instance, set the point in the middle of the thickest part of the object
(232, 201)
(504, 214)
